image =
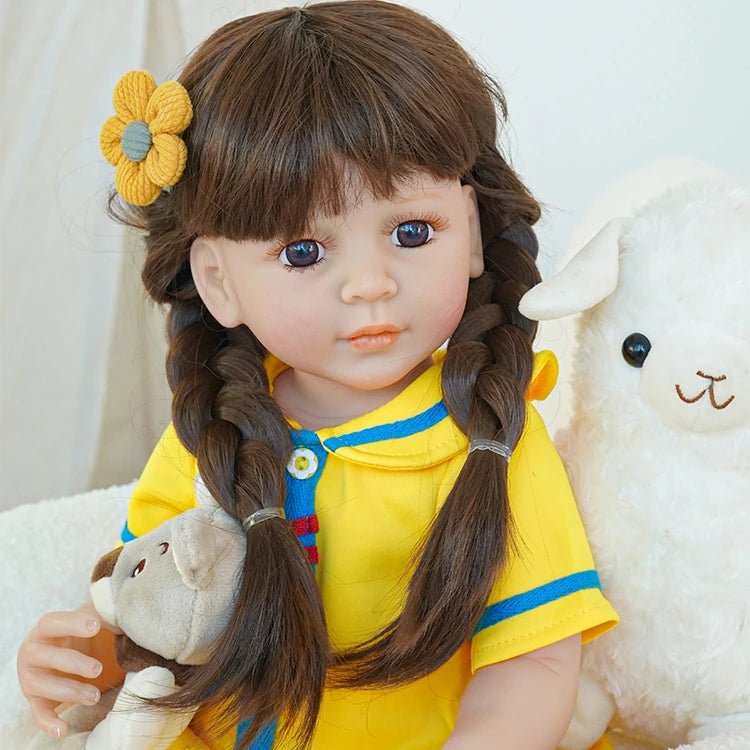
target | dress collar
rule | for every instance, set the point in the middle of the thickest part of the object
(411, 431)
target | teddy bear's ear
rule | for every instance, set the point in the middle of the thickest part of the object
(590, 276)
(203, 536)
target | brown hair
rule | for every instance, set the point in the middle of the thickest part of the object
(282, 99)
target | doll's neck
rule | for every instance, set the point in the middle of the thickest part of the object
(314, 403)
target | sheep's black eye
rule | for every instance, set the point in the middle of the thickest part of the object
(163, 547)
(635, 349)
(138, 569)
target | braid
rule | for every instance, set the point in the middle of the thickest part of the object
(486, 373)
(272, 658)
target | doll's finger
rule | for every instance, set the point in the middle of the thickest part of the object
(46, 718)
(66, 660)
(40, 683)
(66, 624)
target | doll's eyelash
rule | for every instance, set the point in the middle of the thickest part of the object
(277, 250)
(435, 220)
(311, 267)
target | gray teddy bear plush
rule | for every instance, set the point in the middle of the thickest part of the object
(169, 595)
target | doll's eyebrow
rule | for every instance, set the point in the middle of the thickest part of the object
(418, 197)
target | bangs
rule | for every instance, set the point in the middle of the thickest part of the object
(287, 104)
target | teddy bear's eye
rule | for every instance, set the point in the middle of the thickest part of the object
(138, 568)
(164, 546)
(635, 349)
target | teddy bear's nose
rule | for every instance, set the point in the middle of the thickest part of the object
(105, 565)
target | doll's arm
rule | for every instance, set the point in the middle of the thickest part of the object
(523, 703)
(64, 646)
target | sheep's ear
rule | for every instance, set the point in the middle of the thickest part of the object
(590, 276)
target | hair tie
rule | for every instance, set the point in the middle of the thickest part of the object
(262, 515)
(491, 445)
(142, 139)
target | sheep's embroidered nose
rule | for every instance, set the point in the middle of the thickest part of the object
(708, 389)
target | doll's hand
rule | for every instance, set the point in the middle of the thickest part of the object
(59, 646)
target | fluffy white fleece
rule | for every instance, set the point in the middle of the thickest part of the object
(47, 552)
(664, 485)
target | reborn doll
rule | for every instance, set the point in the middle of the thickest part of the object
(325, 204)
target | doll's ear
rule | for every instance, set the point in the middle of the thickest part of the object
(476, 259)
(214, 288)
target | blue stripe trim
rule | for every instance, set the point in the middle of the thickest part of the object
(400, 429)
(127, 535)
(300, 493)
(305, 438)
(264, 741)
(549, 592)
(307, 540)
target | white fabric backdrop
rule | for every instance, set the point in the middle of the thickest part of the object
(72, 318)
(595, 91)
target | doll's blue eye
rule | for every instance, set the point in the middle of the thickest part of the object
(302, 253)
(412, 234)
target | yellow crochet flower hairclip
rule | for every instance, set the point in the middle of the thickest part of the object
(142, 138)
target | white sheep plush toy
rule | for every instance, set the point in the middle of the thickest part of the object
(658, 453)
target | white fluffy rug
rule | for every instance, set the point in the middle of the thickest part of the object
(47, 552)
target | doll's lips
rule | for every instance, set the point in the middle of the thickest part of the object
(374, 338)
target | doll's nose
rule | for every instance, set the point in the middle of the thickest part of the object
(368, 281)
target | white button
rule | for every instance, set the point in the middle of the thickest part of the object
(303, 463)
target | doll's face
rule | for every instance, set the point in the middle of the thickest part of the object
(362, 299)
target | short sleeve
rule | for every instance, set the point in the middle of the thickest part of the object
(165, 488)
(549, 590)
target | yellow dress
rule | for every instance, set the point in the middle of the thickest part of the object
(361, 497)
